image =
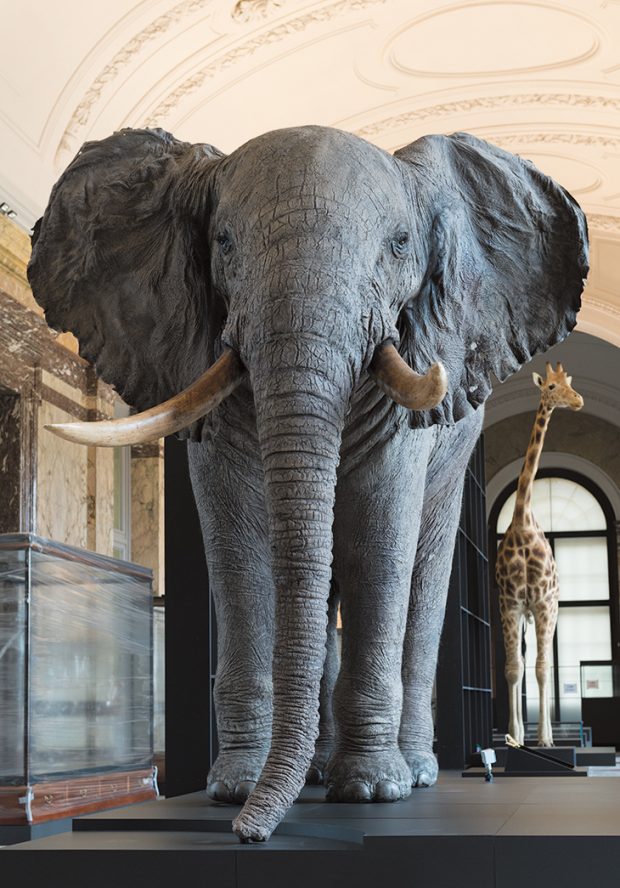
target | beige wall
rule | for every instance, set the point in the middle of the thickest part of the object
(66, 492)
(580, 434)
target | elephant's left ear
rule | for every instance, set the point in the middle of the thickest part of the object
(505, 256)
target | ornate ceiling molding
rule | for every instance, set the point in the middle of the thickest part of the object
(488, 103)
(250, 10)
(82, 114)
(599, 222)
(603, 141)
(244, 50)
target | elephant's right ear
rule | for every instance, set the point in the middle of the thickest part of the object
(504, 254)
(121, 259)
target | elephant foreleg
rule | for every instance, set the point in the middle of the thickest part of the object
(375, 540)
(429, 589)
(229, 497)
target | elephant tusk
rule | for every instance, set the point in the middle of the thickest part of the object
(191, 404)
(409, 389)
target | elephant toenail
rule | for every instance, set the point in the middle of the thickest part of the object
(357, 791)
(424, 779)
(218, 791)
(243, 790)
(387, 791)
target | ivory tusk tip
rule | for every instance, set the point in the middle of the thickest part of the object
(76, 432)
(440, 378)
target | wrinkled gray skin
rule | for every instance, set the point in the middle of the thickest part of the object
(304, 250)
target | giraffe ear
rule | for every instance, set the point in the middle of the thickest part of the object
(538, 380)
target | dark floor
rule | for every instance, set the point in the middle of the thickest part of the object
(526, 832)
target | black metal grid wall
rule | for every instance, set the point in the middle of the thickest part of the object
(464, 695)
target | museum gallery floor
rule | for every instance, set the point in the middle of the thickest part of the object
(514, 832)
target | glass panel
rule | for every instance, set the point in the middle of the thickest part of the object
(12, 666)
(597, 681)
(584, 633)
(159, 679)
(119, 489)
(583, 569)
(90, 669)
(573, 507)
(559, 505)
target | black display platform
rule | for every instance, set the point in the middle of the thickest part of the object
(459, 833)
(585, 756)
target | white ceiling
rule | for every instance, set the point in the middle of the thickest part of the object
(538, 77)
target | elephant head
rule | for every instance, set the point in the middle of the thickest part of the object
(308, 259)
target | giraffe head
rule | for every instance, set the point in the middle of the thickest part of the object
(556, 390)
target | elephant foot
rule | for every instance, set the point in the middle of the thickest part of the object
(234, 776)
(368, 777)
(423, 766)
(315, 774)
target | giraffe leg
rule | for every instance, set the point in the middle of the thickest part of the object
(545, 618)
(512, 621)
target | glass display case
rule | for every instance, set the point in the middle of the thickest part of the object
(76, 681)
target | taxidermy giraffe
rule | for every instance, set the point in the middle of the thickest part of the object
(525, 568)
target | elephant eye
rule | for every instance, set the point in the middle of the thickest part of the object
(225, 243)
(400, 244)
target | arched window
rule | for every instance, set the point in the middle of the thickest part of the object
(578, 521)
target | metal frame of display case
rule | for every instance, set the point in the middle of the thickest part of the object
(30, 798)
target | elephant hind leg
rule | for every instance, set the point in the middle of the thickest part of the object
(325, 742)
(430, 579)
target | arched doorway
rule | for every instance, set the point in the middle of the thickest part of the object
(579, 523)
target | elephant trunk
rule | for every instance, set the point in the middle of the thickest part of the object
(300, 415)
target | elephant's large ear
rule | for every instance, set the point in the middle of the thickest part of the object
(121, 259)
(504, 252)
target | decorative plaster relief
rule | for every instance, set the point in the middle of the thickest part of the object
(248, 48)
(502, 38)
(486, 103)
(249, 10)
(604, 223)
(82, 114)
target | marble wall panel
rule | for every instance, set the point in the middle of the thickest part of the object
(104, 500)
(147, 514)
(62, 494)
(10, 463)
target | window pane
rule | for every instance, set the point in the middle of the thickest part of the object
(558, 504)
(573, 507)
(582, 569)
(584, 633)
(597, 681)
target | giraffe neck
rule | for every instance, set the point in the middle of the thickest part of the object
(523, 507)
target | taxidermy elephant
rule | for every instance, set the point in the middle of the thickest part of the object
(349, 307)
